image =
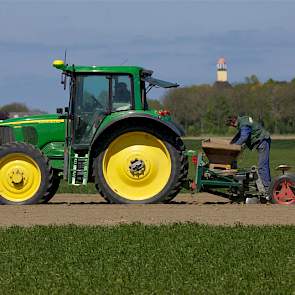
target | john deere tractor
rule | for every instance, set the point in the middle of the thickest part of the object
(107, 135)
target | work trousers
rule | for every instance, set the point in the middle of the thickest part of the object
(263, 162)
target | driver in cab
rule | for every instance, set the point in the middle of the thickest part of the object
(122, 94)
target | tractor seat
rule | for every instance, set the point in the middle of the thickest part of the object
(284, 168)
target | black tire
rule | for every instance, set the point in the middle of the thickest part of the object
(282, 190)
(46, 184)
(179, 163)
(54, 185)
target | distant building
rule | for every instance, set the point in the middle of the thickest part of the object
(4, 115)
(23, 114)
(221, 74)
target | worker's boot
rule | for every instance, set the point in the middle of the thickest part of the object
(252, 200)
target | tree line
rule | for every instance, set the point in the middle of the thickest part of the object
(16, 107)
(203, 109)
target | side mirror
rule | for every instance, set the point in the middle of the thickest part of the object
(59, 110)
(64, 80)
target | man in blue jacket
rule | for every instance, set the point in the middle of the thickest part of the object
(253, 135)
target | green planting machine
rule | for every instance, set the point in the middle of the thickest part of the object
(216, 172)
(109, 136)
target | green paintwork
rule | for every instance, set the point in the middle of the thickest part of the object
(54, 150)
(50, 131)
(118, 115)
(103, 69)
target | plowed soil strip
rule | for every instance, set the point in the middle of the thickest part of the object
(92, 210)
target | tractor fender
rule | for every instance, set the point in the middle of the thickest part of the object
(137, 119)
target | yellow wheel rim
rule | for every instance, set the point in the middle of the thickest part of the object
(137, 166)
(20, 177)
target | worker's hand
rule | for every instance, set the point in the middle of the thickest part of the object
(234, 139)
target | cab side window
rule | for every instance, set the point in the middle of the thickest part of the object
(121, 93)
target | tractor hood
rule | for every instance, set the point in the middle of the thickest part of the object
(36, 119)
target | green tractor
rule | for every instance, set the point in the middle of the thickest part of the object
(107, 135)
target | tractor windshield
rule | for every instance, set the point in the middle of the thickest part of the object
(94, 97)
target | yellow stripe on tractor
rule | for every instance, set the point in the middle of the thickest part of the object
(34, 122)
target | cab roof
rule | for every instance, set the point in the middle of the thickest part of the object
(146, 75)
(59, 64)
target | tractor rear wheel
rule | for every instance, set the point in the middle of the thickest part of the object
(25, 174)
(282, 190)
(140, 165)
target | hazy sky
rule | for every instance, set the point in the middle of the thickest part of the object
(180, 40)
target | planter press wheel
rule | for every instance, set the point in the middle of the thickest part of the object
(283, 190)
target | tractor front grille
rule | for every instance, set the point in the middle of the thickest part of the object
(6, 134)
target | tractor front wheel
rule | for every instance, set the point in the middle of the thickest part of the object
(25, 175)
(283, 190)
(140, 166)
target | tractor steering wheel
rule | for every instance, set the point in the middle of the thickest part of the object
(96, 103)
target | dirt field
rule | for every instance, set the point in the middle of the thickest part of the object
(92, 210)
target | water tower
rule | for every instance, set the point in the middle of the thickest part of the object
(221, 70)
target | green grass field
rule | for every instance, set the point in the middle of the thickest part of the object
(138, 259)
(282, 152)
